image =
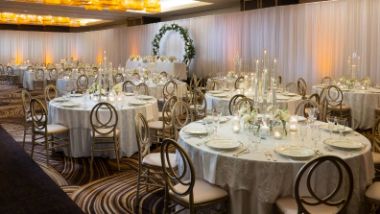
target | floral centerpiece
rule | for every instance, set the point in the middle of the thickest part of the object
(95, 89)
(283, 116)
(118, 88)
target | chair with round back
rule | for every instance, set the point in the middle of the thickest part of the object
(169, 89)
(13, 79)
(303, 108)
(302, 87)
(233, 101)
(181, 115)
(332, 103)
(46, 134)
(246, 103)
(142, 89)
(163, 128)
(50, 93)
(26, 98)
(39, 80)
(128, 86)
(118, 78)
(163, 74)
(182, 187)
(105, 134)
(326, 81)
(291, 87)
(82, 83)
(198, 105)
(311, 201)
(53, 76)
(238, 82)
(148, 163)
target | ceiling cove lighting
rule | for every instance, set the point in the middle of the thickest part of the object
(30, 19)
(148, 6)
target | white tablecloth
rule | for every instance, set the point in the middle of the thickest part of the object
(78, 120)
(221, 102)
(68, 84)
(155, 90)
(29, 77)
(254, 182)
(362, 103)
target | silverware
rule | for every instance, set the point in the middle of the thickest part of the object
(240, 152)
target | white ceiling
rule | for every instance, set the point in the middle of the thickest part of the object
(77, 12)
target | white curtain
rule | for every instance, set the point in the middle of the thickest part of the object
(309, 40)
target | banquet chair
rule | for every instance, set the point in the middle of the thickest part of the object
(304, 107)
(181, 115)
(39, 80)
(149, 164)
(302, 87)
(118, 78)
(46, 134)
(104, 133)
(26, 98)
(245, 102)
(233, 101)
(142, 89)
(238, 82)
(332, 104)
(13, 79)
(50, 93)
(291, 87)
(182, 187)
(128, 86)
(95, 69)
(82, 83)
(163, 128)
(315, 97)
(169, 89)
(326, 81)
(135, 76)
(163, 74)
(307, 200)
(81, 70)
(53, 76)
(198, 105)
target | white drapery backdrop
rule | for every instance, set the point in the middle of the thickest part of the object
(309, 40)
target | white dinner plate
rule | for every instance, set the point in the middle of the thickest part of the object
(69, 105)
(137, 102)
(223, 144)
(60, 100)
(144, 97)
(210, 119)
(343, 143)
(196, 130)
(290, 94)
(334, 129)
(296, 152)
(301, 118)
(128, 94)
(76, 95)
(215, 92)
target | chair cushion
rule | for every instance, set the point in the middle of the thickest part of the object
(203, 192)
(156, 124)
(373, 191)
(154, 159)
(376, 157)
(29, 119)
(53, 129)
(288, 205)
(110, 135)
(344, 108)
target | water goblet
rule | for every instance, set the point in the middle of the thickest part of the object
(341, 125)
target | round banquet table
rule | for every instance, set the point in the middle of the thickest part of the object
(66, 84)
(255, 179)
(155, 89)
(362, 103)
(29, 77)
(77, 119)
(221, 101)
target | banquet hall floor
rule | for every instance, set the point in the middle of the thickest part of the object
(107, 190)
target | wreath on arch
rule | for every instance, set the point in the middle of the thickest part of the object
(189, 43)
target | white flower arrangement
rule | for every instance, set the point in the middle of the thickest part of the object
(247, 115)
(118, 88)
(283, 116)
(95, 88)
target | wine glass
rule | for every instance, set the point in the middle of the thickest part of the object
(331, 120)
(302, 132)
(341, 125)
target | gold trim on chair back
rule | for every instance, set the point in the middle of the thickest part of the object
(238, 82)
(166, 110)
(173, 176)
(82, 83)
(128, 86)
(169, 89)
(118, 78)
(232, 104)
(181, 114)
(101, 125)
(39, 74)
(332, 99)
(26, 99)
(53, 74)
(142, 89)
(39, 115)
(301, 87)
(10, 70)
(50, 93)
(142, 136)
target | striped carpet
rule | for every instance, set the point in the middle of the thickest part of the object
(108, 191)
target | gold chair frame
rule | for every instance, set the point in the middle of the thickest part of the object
(118, 78)
(142, 89)
(26, 98)
(50, 93)
(82, 83)
(127, 85)
(233, 101)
